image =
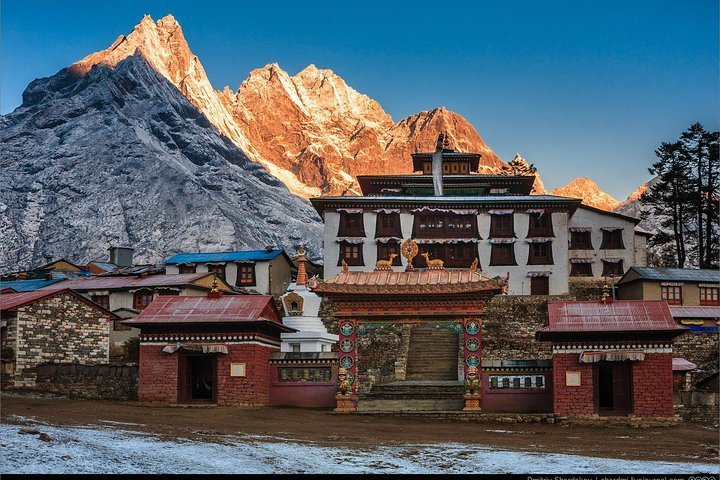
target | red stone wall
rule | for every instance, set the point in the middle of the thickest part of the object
(572, 401)
(254, 388)
(158, 375)
(652, 386)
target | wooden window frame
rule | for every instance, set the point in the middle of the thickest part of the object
(187, 269)
(103, 303)
(545, 287)
(240, 277)
(445, 220)
(142, 294)
(544, 230)
(358, 261)
(385, 249)
(709, 296)
(496, 259)
(535, 259)
(388, 225)
(447, 252)
(575, 244)
(575, 267)
(613, 269)
(502, 226)
(612, 240)
(675, 290)
(351, 225)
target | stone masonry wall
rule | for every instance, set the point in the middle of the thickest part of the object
(701, 348)
(378, 351)
(59, 329)
(509, 326)
(110, 382)
(586, 289)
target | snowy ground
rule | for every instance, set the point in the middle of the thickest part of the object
(113, 449)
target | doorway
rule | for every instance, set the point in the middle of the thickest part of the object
(613, 388)
(197, 379)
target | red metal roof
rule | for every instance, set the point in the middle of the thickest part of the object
(412, 282)
(13, 301)
(616, 316)
(167, 309)
(111, 283)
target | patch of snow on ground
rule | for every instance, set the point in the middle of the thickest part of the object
(109, 450)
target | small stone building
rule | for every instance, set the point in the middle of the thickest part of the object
(51, 326)
(612, 357)
(211, 349)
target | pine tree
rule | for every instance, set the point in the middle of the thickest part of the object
(669, 197)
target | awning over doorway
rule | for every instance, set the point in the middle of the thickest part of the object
(197, 348)
(612, 356)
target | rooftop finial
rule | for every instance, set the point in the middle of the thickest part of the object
(302, 271)
(440, 141)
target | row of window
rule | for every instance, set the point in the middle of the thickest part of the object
(465, 226)
(141, 299)
(673, 295)
(245, 273)
(460, 255)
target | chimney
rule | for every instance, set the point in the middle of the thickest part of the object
(269, 248)
(301, 279)
(437, 166)
(121, 256)
(48, 258)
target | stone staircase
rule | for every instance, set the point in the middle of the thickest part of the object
(433, 354)
(414, 396)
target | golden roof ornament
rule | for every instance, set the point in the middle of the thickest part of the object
(474, 265)
(345, 267)
(409, 250)
(214, 288)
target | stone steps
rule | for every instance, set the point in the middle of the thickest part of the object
(433, 354)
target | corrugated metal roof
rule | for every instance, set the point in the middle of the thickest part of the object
(12, 301)
(616, 316)
(247, 255)
(29, 285)
(110, 283)
(167, 309)
(677, 274)
(682, 365)
(695, 312)
(413, 282)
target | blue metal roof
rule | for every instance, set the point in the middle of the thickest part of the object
(28, 285)
(678, 274)
(243, 256)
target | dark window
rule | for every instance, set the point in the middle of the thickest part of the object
(612, 269)
(142, 299)
(580, 240)
(581, 270)
(352, 253)
(502, 254)
(612, 239)
(3, 335)
(709, 296)
(245, 275)
(219, 270)
(351, 225)
(501, 226)
(449, 226)
(540, 225)
(540, 254)
(540, 286)
(388, 225)
(454, 255)
(187, 269)
(384, 250)
(102, 300)
(671, 294)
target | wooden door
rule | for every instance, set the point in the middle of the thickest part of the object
(621, 387)
(539, 286)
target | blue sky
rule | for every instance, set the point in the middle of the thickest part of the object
(580, 88)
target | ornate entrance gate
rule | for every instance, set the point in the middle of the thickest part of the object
(401, 326)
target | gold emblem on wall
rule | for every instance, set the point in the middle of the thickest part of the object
(293, 304)
(409, 250)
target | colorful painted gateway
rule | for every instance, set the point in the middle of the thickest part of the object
(409, 340)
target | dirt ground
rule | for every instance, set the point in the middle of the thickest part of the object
(683, 442)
